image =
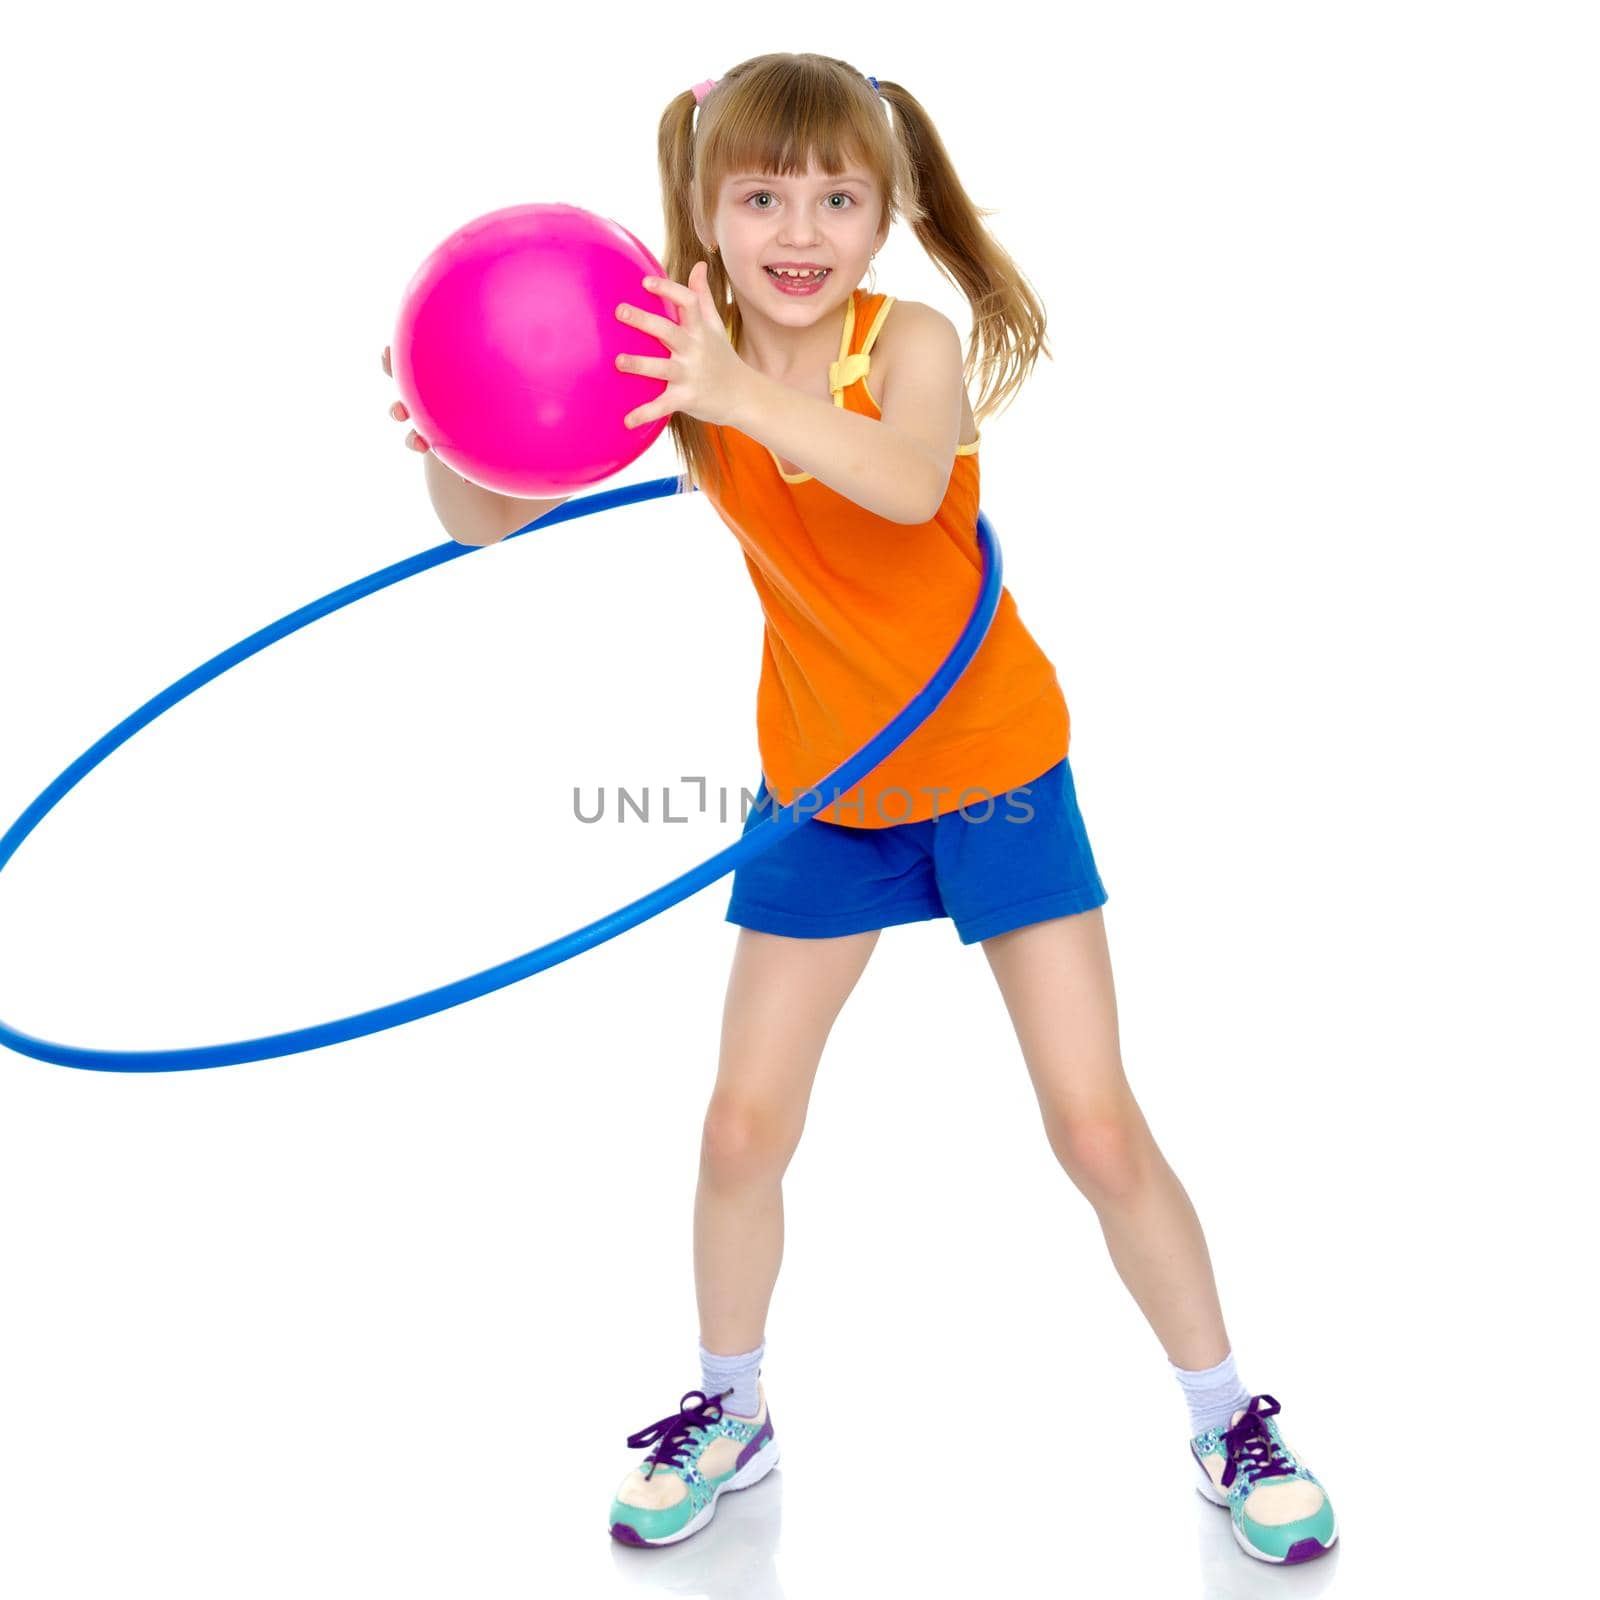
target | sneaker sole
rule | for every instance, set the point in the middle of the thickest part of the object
(753, 1471)
(1303, 1550)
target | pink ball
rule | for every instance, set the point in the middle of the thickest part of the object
(505, 350)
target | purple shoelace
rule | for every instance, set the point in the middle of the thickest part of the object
(1251, 1448)
(671, 1434)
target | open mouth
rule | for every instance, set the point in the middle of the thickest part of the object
(807, 283)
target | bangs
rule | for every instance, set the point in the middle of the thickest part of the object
(792, 155)
(787, 123)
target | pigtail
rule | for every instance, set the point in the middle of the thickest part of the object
(1008, 332)
(675, 144)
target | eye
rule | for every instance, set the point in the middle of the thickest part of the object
(838, 194)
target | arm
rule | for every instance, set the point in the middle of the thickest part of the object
(897, 466)
(474, 515)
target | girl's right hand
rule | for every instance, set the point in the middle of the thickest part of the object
(414, 440)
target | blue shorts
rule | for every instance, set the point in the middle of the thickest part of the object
(1020, 858)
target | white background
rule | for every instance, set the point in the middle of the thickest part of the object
(1302, 510)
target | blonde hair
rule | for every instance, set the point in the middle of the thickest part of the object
(780, 113)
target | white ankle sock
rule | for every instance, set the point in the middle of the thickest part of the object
(738, 1372)
(1213, 1393)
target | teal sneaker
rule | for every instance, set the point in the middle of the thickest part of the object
(698, 1452)
(1281, 1512)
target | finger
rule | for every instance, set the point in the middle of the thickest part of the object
(645, 366)
(668, 290)
(386, 360)
(657, 327)
(398, 412)
(707, 304)
(637, 419)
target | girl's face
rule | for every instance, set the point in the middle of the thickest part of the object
(813, 220)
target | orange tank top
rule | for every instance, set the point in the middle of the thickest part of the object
(859, 613)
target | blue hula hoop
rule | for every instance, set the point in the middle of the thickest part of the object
(763, 837)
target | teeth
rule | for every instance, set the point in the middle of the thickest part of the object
(790, 272)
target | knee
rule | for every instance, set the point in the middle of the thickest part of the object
(1106, 1152)
(741, 1142)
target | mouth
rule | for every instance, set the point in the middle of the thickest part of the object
(800, 284)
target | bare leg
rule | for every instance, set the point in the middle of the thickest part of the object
(1055, 977)
(783, 996)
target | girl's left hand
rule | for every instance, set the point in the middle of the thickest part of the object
(704, 375)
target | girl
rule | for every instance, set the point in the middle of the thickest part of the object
(830, 428)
